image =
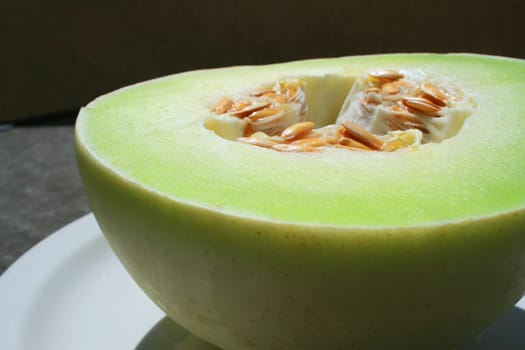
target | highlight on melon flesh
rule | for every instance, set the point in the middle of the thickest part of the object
(368, 202)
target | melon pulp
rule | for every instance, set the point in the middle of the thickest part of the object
(249, 248)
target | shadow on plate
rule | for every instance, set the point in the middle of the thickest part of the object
(505, 334)
(168, 335)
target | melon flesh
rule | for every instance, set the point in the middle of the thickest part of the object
(255, 249)
(160, 125)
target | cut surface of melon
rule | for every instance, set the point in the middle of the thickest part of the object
(157, 134)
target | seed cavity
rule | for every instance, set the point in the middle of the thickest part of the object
(385, 110)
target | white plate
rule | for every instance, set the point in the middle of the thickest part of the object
(71, 292)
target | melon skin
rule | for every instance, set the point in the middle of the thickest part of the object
(243, 282)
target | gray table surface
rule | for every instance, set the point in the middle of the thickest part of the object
(40, 189)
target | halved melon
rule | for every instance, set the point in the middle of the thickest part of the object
(416, 244)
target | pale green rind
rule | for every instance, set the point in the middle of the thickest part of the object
(153, 134)
(241, 283)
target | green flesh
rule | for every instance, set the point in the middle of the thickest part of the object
(153, 134)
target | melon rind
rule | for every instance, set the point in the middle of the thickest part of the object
(254, 249)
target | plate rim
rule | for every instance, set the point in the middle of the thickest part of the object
(19, 283)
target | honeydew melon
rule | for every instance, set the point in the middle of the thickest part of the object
(253, 248)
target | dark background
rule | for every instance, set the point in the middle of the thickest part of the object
(58, 55)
